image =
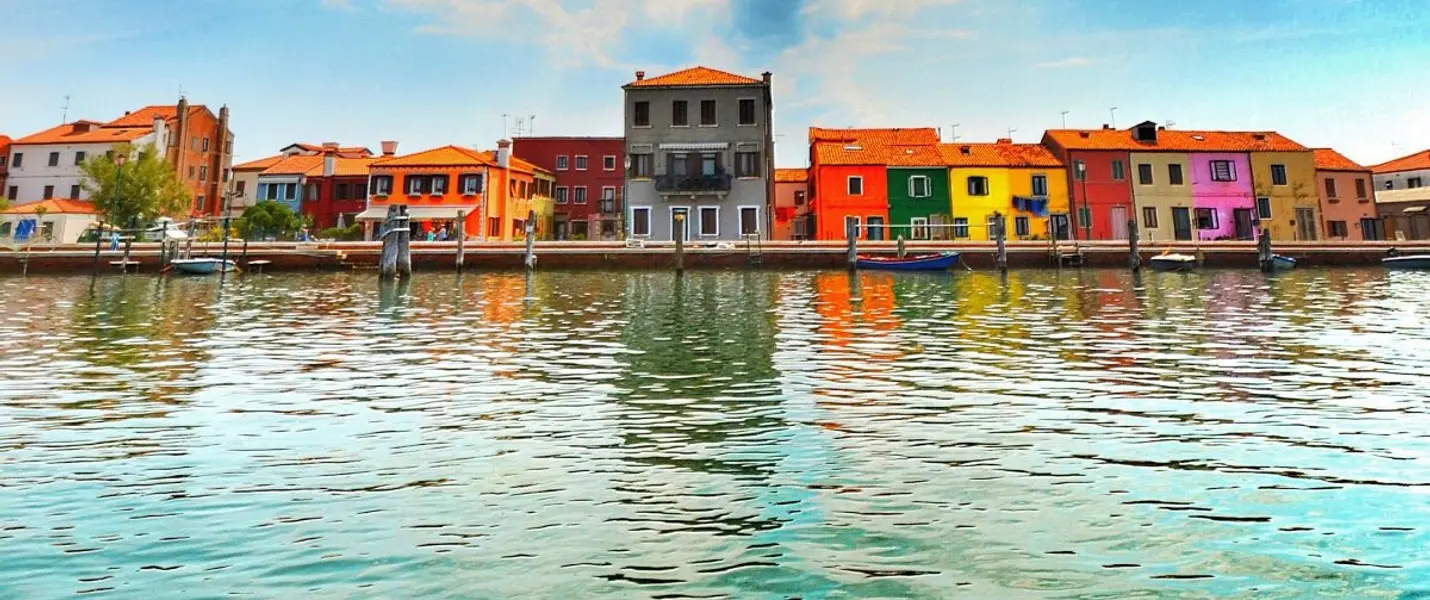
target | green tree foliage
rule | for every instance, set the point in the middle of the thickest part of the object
(268, 218)
(145, 187)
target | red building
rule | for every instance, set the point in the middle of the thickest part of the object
(333, 186)
(848, 178)
(590, 178)
(1098, 181)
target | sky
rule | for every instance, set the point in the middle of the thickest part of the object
(1348, 74)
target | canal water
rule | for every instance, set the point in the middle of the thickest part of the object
(1075, 434)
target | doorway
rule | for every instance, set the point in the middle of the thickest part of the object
(1245, 226)
(561, 231)
(1058, 226)
(1182, 223)
(875, 227)
(1306, 224)
(1119, 223)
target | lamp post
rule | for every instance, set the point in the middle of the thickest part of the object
(1085, 216)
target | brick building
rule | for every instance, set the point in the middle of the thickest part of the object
(590, 181)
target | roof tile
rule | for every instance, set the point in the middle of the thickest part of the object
(1414, 162)
(695, 77)
(1328, 159)
(54, 206)
(895, 135)
(86, 132)
(1175, 140)
(791, 175)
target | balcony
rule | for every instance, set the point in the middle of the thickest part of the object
(693, 184)
(606, 205)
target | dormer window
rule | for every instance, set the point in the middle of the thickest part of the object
(1146, 132)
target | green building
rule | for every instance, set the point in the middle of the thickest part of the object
(918, 196)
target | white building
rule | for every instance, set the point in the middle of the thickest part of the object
(59, 221)
(46, 165)
(1402, 196)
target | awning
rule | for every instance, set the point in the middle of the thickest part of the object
(1415, 209)
(696, 146)
(418, 213)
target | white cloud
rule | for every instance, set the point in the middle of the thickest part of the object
(1071, 62)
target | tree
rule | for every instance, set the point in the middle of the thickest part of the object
(268, 218)
(144, 187)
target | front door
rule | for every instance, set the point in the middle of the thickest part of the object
(1306, 224)
(875, 228)
(560, 230)
(1119, 223)
(680, 226)
(1370, 230)
(1182, 223)
(1058, 226)
(1245, 229)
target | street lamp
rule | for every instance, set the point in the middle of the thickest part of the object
(1085, 216)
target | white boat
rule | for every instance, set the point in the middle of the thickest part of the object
(203, 266)
(1414, 261)
(1173, 262)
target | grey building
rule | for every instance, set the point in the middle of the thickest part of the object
(699, 145)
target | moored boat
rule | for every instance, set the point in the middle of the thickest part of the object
(1173, 262)
(202, 266)
(1414, 261)
(1280, 262)
(922, 262)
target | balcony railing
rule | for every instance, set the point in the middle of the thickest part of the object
(676, 184)
(607, 205)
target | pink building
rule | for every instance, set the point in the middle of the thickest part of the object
(792, 205)
(1221, 181)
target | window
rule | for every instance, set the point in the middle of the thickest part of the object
(439, 185)
(192, 171)
(747, 111)
(608, 162)
(49, 192)
(1174, 174)
(1389, 184)
(381, 185)
(709, 220)
(194, 143)
(747, 164)
(640, 116)
(642, 166)
(562, 162)
(242, 187)
(680, 113)
(578, 194)
(608, 193)
(1360, 188)
(1223, 170)
(1040, 185)
(1263, 208)
(640, 221)
(17, 159)
(521, 187)
(919, 228)
(749, 220)
(414, 186)
(341, 191)
(290, 191)
(1330, 187)
(851, 226)
(1336, 229)
(561, 192)
(5, 229)
(47, 230)
(74, 192)
(1206, 218)
(960, 228)
(581, 162)
(799, 198)
(1144, 174)
(1149, 217)
(855, 185)
(206, 145)
(1084, 217)
(1020, 226)
(977, 186)
(1412, 183)
(203, 173)
(54, 159)
(1117, 172)
(78, 158)
(920, 187)
(471, 184)
(1278, 174)
(707, 113)
(14, 192)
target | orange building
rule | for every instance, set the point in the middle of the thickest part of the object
(848, 178)
(1348, 209)
(492, 190)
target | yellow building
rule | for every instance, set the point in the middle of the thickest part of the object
(1286, 181)
(1023, 182)
(1162, 195)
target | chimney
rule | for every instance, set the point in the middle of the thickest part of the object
(1005, 140)
(161, 133)
(504, 153)
(1106, 126)
(766, 76)
(640, 75)
(330, 158)
(389, 148)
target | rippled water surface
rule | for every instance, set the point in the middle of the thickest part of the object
(1083, 434)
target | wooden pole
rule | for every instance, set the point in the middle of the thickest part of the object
(530, 259)
(129, 243)
(404, 243)
(1263, 250)
(1134, 241)
(245, 252)
(99, 237)
(679, 235)
(189, 247)
(902, 251)
(461, 239)
(851, 232)
(1002, 238)
(387, 260)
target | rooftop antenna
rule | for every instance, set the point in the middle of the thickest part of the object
(954, 132)
(1113, 110)
(1011, 131)
(65, 116)
(1065, 119)
(1169, 124)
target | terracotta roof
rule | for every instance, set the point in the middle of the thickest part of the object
(517, 164)
(144, 117)
(1330, 160)
(312, 166)
(354, 151)
(1414, 162)
(54, 206)
(1174, 140)
(258, 165)
(895, 135)
(1001, 154)
(791, 175)
(4, 149)
(445, 156)
(695, 77)
(86, 132)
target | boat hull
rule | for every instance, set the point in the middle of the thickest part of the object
(1282, 262)
(1172, 263)
(202, 266)
(927, 262)
(1419, 262)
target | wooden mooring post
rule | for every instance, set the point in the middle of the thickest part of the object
(396, 258)
(461, 239)
(129, 243)
(1134, 242)
(1263, 250)
(851, 231)
(902, 251)
(1000, 232)
(530, 258)
(98, 239)
(678, 233)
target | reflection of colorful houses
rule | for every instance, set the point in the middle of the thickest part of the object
(1023, 182)
(1347, 205)
(792, 216)
(834, 293)
(849, 179)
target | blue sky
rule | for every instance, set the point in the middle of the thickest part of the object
(1342, 73)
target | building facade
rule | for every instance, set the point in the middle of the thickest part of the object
(328, 188)
(701, 152)
(1022, 182)
(918, 193)
(1286, 181)
(849, 177)
(243, 180)
(590, 178)
(1402, 197)
(1348, 211)
(792, 217)
(1221, 188)
(4, 165)
(56, 221)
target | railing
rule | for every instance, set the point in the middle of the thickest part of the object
(607, 205)
(692, 183)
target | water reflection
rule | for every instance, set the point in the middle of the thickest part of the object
(1040, 434)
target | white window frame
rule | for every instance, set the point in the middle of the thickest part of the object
(411, 183)
(685, 224)
(563, 194)
(1230, 170)
(985, 189)
(966, 234)
(582, 159)
(1285, 175)
(1033, 187)
(700, 119)
(609, 159)
(583, 197)
(928, 187)
(700, 210)
(1023, 223)
(917, 225)
(849, 184)
(858, 226)
(471, 178)
(563, 162)
(737, 111)
(740, 214)
(648, 224)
